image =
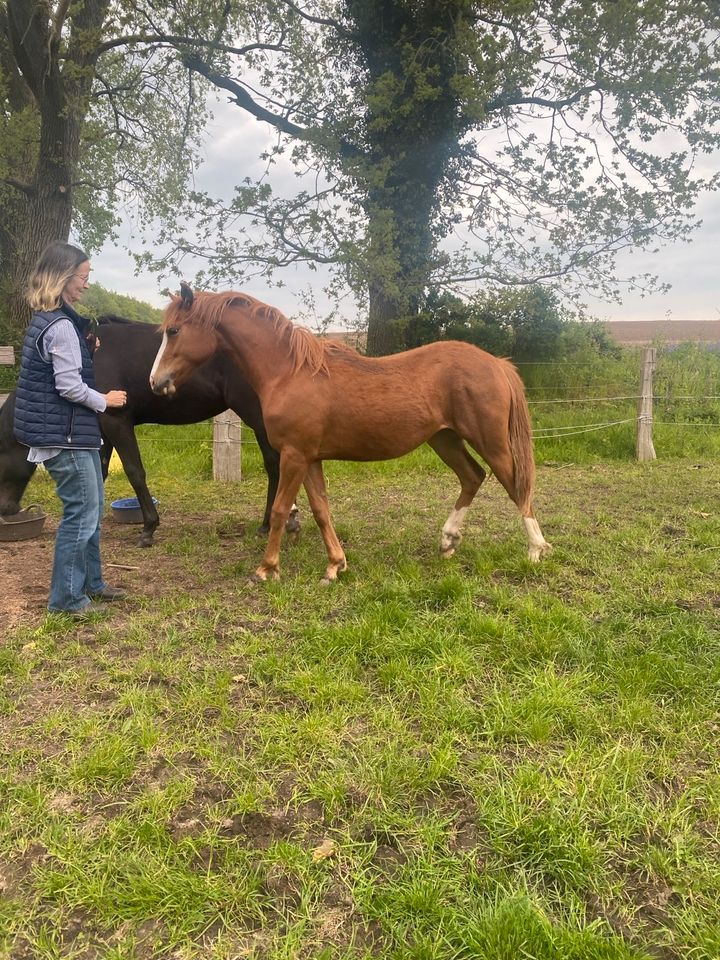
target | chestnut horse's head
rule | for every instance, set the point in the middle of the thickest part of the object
(187, 342)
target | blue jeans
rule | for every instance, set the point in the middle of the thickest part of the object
(76, 565)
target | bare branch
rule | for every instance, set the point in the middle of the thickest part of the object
(244, 100)
(323, 21)
(180, 41)
(25, 188)
(58, 19)
(514, 100)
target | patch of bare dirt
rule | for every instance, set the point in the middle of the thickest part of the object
(25, 577)
(26, 565)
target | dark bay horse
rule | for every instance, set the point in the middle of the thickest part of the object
(123, 362)
(322, 400)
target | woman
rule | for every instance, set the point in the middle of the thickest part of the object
(56, 416)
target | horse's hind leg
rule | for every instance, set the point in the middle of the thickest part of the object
(317, 495)
(501, 464)
(452, 451)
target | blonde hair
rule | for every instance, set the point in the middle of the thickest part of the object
(57, 263)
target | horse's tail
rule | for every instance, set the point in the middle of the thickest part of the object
(520, 436)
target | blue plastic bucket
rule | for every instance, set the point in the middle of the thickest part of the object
(128, 510)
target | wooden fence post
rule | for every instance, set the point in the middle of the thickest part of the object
(644, 449)
(227, 457)
(7, 358)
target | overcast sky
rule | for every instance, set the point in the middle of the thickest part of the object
(234, 144)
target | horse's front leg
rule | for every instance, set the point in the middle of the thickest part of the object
(317, 495)
(121, 434)
(293, 467)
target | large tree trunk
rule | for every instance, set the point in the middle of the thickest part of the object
(48, 216)
(401, 247)
(413, 133)
(49, 209)
(384, 333)
(57, 62)
(399, 266)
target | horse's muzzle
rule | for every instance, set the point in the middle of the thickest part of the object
(164, 387)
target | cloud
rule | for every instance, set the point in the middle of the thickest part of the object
(690, 268)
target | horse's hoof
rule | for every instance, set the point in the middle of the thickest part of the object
(449, 543)
(331, 574)
(262, 575)
(263, 530)
(329, 579)
(535, 553)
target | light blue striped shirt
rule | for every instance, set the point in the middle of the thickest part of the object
(60, 347)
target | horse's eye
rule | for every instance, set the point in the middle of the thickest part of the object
(172, 331)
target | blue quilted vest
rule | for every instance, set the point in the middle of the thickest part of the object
(42, 417)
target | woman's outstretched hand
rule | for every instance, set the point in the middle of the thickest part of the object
(116, 398)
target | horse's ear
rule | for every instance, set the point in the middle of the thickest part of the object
(186, 294)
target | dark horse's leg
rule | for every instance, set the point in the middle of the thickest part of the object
(106, 451)
(271, 462)
(120, 434)
(15, 471)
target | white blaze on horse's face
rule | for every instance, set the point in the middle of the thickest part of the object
(162, 385)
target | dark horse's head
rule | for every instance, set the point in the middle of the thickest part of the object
(189, 339)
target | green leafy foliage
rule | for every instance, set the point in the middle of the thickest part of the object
(528, 324)
(94, 113)
(97, 300)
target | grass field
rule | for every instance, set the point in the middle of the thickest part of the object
(474, 758)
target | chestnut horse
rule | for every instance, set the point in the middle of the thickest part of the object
(324, 401)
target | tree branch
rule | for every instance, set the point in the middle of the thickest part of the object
(323, 21)
(177, 41)
(58, 19)
(244, 100)
(29, 39)
(25, 188)
(514, 100)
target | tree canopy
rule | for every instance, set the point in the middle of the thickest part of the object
(456, 142)
(528, 324)
(97, 301)
(448, 143)
(88, 123)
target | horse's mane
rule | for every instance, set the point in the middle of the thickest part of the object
(207, 310)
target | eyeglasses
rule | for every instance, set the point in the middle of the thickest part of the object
(85, 279)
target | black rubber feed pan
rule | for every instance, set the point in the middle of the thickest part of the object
(23, 525)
